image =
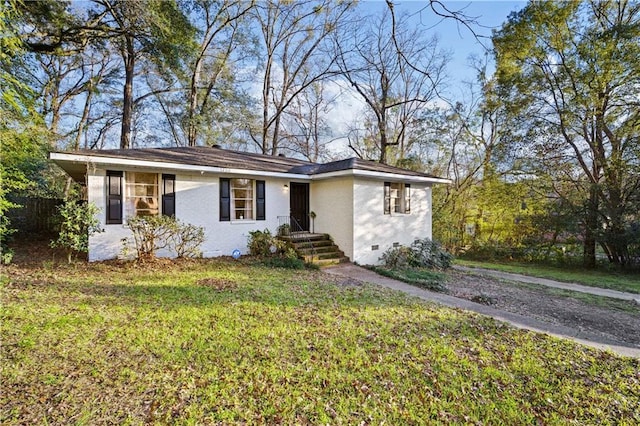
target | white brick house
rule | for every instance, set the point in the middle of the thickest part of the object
(365, 206)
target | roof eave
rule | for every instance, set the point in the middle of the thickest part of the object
(380, 175)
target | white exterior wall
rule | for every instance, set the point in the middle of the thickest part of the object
(373, 227)
(332, 201)
(348, 208)
(197, 203)
(107, 244)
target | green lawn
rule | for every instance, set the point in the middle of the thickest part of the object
(219, 342)
(629, 282)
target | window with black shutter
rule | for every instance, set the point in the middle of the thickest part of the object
(242, 199)
(169, 195)
(114, 197)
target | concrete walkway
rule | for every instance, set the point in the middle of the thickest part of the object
(591, 339)
(551, 283)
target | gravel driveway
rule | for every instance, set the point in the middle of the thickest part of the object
(616, 320)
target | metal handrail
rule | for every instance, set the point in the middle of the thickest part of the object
(295, 229)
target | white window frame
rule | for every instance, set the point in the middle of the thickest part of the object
(397, 198)
(246, 212)
(142, 198)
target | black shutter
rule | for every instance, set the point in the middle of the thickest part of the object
(387, 198)
(225, 200)
(260, 200)
(114, 197)
(169, 195)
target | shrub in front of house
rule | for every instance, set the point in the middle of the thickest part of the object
(419, 264)
(187, 239)
(430, 254)
(273, 251)
(424, 253)
(261, 243)
(153, 233)
(76, 221)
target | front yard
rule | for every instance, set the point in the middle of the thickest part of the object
(233, 342)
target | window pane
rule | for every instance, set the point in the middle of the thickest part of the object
(242, 199)
(169, 186)
(142, 194)
(396, 197)
(114, 185)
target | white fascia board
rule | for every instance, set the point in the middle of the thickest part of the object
(380, 176)
(126, 162)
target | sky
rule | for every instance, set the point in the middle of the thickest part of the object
(456, 38)
(460, 41)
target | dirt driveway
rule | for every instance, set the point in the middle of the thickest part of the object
(615, 320)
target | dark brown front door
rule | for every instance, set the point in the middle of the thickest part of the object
(299, 203)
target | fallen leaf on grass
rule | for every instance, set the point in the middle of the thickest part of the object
(219, 284)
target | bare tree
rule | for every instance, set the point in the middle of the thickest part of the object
(305, 126)
(294, 37)
(394, 86)
(221, 34)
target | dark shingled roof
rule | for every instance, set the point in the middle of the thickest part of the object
(203, 156)
(355, 164)
(224, 158)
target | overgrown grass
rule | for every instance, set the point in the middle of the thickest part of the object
(208, 342)
(629, 282)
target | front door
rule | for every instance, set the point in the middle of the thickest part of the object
(299, 204)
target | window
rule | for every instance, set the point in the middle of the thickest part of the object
(397, 197)
(114, 197)
(142, 194)
(242, 199)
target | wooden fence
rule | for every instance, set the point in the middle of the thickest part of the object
(36, 216)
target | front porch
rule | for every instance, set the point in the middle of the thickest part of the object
(316, 248)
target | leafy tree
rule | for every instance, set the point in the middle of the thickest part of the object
(157, 31)
(570, 71)
(23, 138)
(78, 221)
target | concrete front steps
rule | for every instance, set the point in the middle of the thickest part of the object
(318, 249)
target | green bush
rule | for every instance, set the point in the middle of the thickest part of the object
(77, 221)
(430, 254)
(261, 243)
(284, 262)
(274, 252)
(423, 253)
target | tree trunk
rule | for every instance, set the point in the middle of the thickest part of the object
(591, 226)
(127, 98)
(192, 132)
